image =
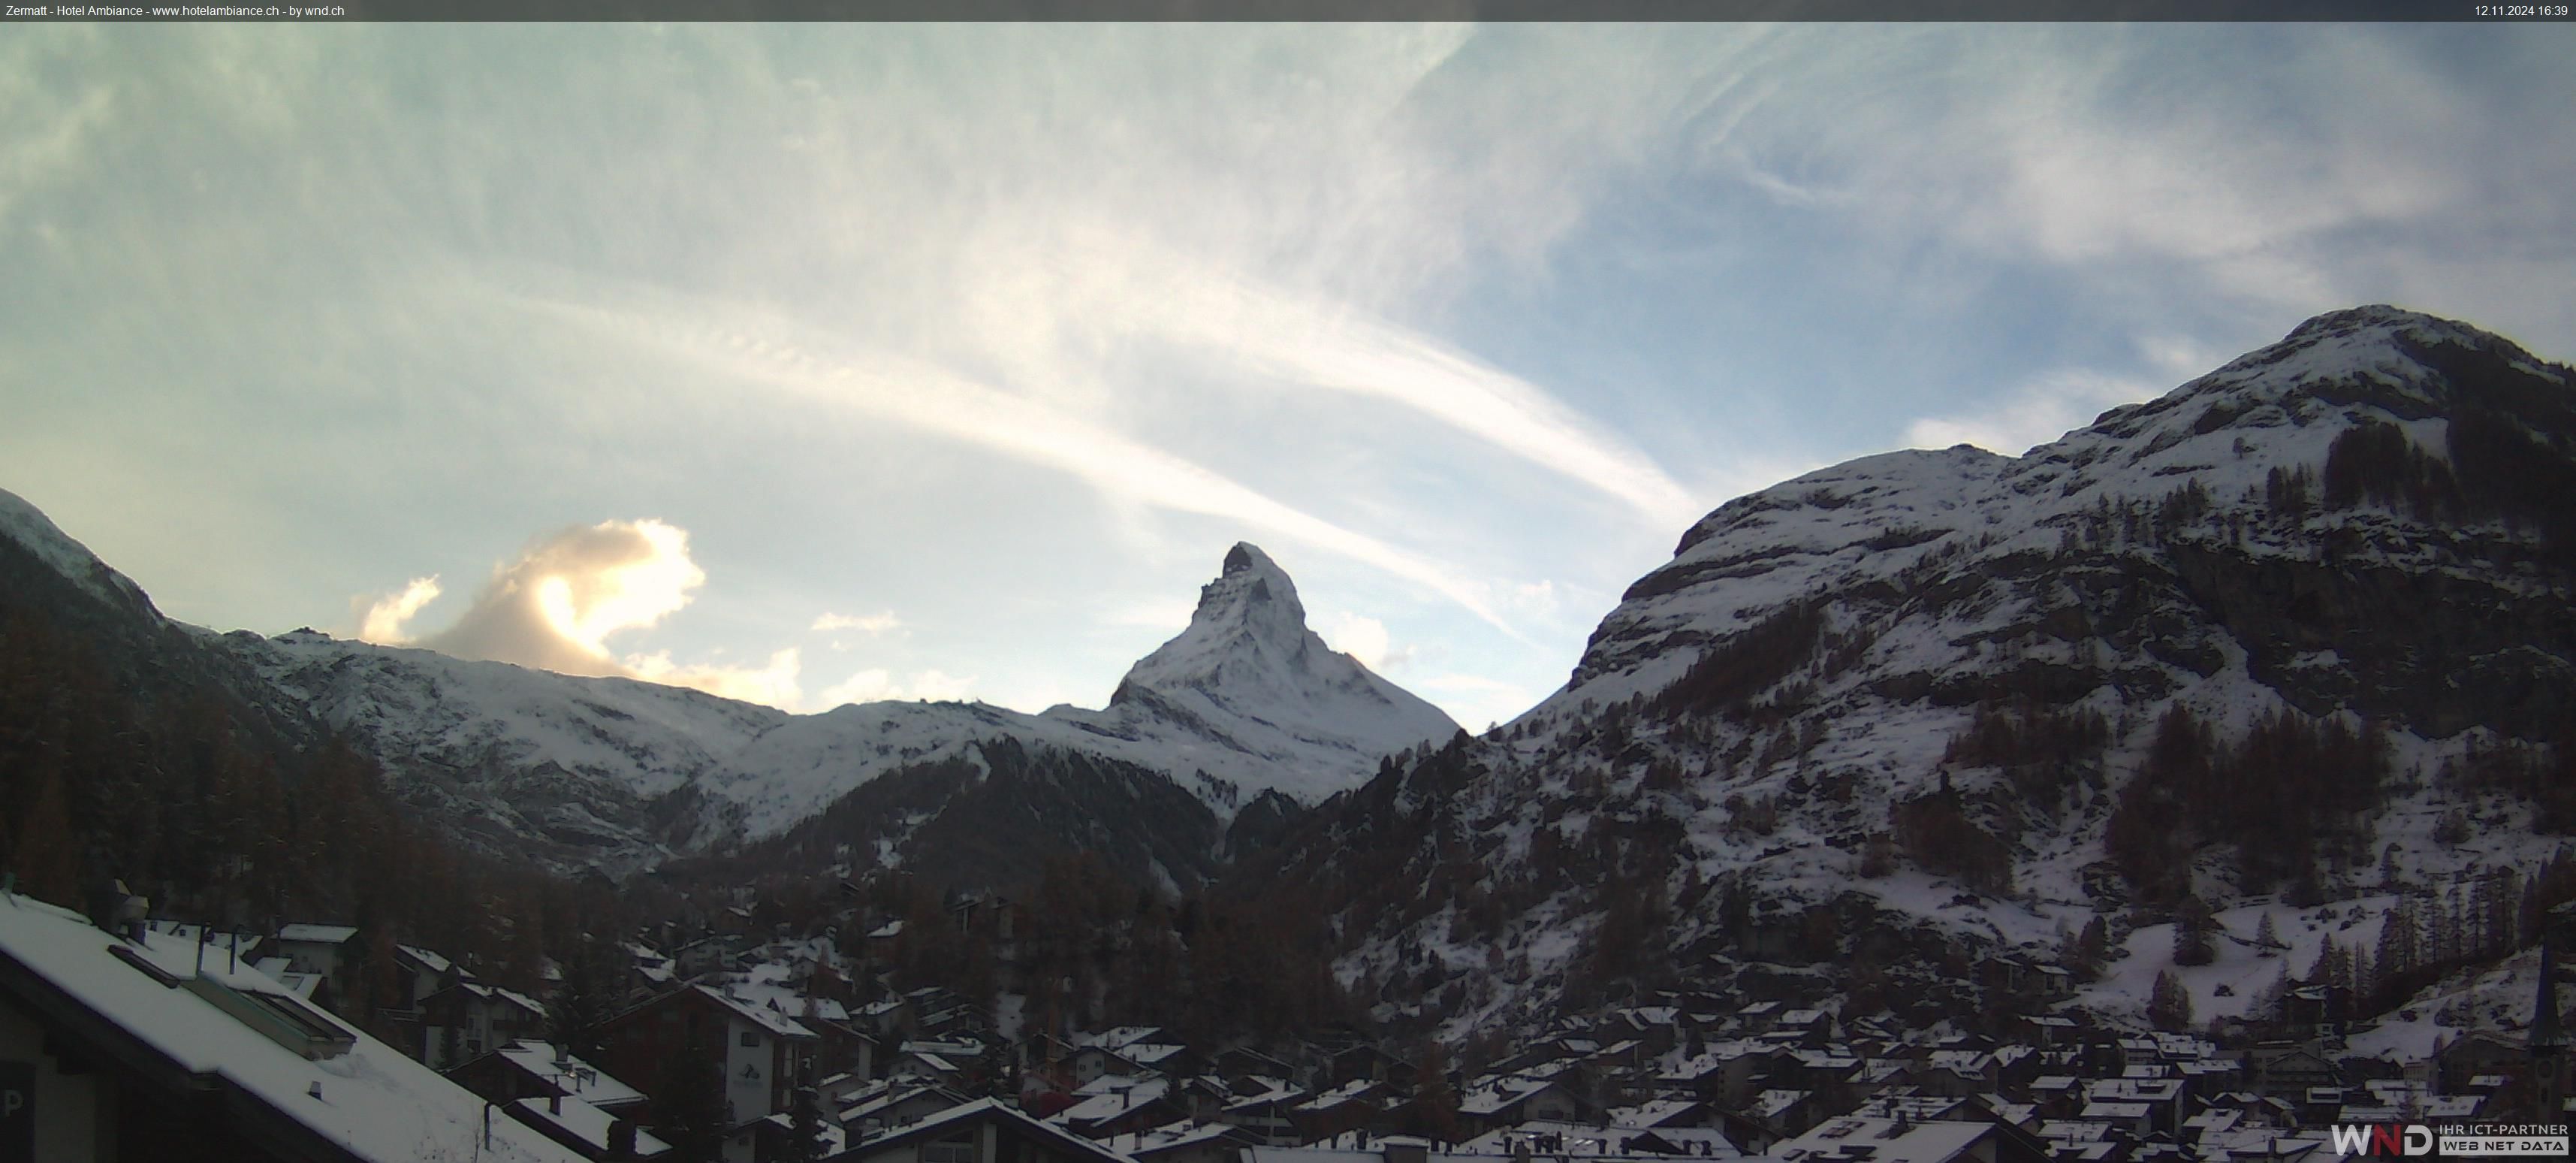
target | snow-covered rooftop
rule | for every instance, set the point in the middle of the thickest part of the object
(372, 1100)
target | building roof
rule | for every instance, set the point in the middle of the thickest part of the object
(320, 934)
(1496, 1095)
(1653, 1112)
(1109, 1104)
(1173, 1137)
(1888, 1140)
(577, 1078)
(760, 1015)
(428, 960)
(374, 1103)
(984, 1110)
(1346, 1092)
(585, 1122)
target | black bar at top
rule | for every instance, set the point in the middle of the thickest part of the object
(1874, 11)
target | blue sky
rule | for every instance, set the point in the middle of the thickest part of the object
(829, 362)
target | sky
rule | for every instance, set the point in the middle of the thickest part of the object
(827, 363)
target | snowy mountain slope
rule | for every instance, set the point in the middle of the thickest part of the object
(1899, 708)
(1250, 695)
(509, 754)
(1246, 700)
(28, 527)
(620, 774)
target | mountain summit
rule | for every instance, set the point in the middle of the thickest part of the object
(2279, 634)
(1248, 661)
(1245, 705)
(1249, 690)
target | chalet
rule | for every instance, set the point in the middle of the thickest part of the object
(1514, 1099)
(1117, 1105)
(326, 951)
(1362, 1060)
(929, 1062)
(1183, 1142)
(765, 1052)
(1094, 1061)
(1241, 1063)
(586, 1130)
(983, 1131)
(1261, 1108)
(1785, 1112)
(467, 1019)
(2317, 1011)
(2135, 1120)
(1725, 1073)
(419, 973)
(1350, 1106)
(895, 1102)
(1960, 1073)
(541, 1070)
(140, 1048)
(2164, 1099)
(1879, 1140)
(2475, 1053)
(2288, 1071)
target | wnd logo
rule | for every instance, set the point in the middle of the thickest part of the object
(2380, 1139)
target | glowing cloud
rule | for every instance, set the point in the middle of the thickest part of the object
(385, 619)
(877, 685)
(773, 684)
(555, 606)
(1362, 638)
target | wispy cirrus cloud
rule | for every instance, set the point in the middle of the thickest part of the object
(748, 344)
(877, 623)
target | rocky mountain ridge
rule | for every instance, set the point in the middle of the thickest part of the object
(2297, 629)
(1246, 706)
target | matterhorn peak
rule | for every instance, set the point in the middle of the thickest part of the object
(1251, 595)
(1249, 676)
(1248, 619)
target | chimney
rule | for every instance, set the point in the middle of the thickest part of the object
(621, 1140)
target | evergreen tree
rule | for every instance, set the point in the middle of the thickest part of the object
(2266, 939)
(689, 1108)
(2192, 927)
(1435, 1106)
(48, 868)
(2169, 1003)
(2394, 956)
(804, 1127)
(587, 996)
(2095, 943)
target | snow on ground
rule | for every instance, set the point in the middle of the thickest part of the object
(2240, 968)
(31, 529)
(370, 1099)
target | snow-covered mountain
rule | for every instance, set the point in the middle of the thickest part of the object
(620, 774)
(2301, 627)
(1250, 695)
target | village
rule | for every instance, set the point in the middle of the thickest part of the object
(766, 1048)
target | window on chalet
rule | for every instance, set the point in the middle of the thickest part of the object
(949, 1151)
(750, 1039)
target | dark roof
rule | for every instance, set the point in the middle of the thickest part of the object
(983, 1110)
